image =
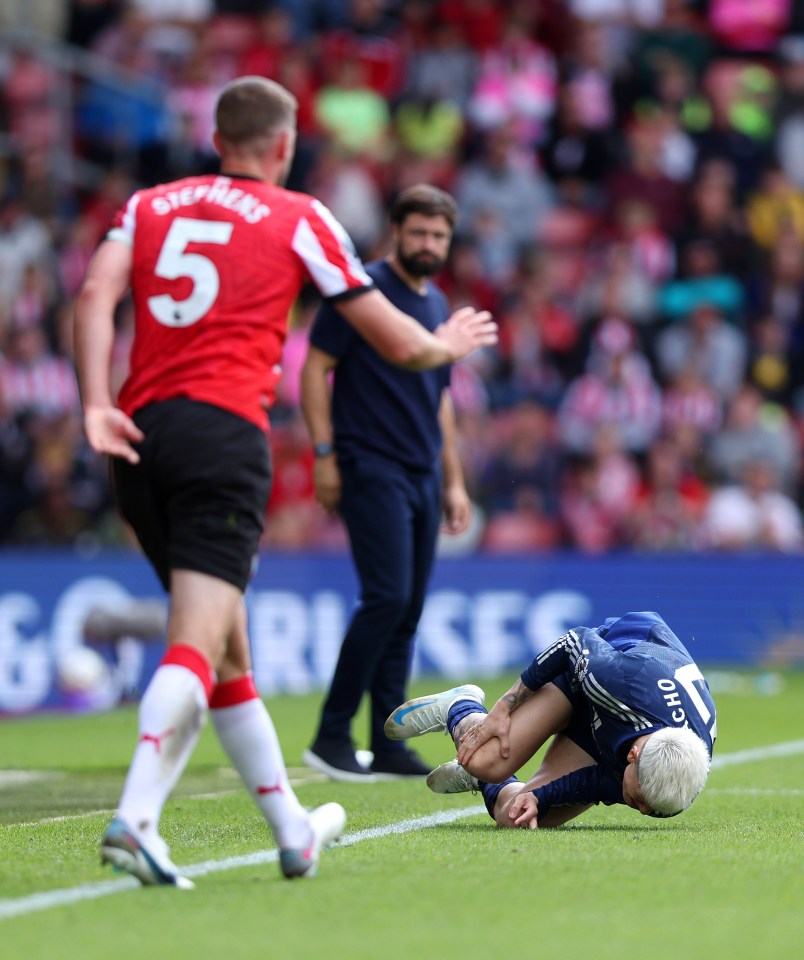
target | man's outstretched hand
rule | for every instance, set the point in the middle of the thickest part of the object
(466, 330)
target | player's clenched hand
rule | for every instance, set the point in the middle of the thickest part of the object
(466, 330)
(327, 482)
(524, 811)
(495, 724)
(112, 432)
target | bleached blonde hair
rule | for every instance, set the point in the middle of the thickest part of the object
(672, 769)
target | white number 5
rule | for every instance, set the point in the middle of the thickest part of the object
(175, 262)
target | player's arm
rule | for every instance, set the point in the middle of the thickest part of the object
(497, 723)
(561, 656)
(580, 788)
(316, 404)
(108, 429)
(403, 341)
(455, 500)
(558, 658)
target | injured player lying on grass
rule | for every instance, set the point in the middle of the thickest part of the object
(631, 718)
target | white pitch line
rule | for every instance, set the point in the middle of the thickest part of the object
(758, 753)
(93, 891)
(59, 898)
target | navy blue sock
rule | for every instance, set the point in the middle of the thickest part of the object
(461, 709)
(491, 791)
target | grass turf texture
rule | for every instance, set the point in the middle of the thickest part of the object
(724, 879)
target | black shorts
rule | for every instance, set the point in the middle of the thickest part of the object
(197, 499)
(579, 729)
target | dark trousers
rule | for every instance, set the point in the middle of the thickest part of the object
(392, 516)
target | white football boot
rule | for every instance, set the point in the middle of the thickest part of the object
(428, 714)
(327, 823)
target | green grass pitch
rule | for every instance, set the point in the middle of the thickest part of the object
(419, 875)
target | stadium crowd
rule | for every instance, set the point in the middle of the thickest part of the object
(630, 178)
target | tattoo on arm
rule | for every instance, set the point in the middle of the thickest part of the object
(516, 696)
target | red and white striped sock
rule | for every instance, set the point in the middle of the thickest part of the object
(247, 734)
(172, 712)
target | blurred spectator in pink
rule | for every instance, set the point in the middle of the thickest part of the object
(667, 509)
(706, 343)
(753, 514)
(516, 85)
(589, 67)
(617, 390)
(748, 26)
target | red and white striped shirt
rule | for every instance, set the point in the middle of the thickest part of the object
(217, 264)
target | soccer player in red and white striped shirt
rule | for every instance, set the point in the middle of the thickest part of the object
(214, 264)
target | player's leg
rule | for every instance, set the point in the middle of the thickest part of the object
(532, 724)
(459, 709)
(247, 734)
(172, 712)
(563, 756)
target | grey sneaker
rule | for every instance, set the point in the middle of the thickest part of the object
(152, 867)
(427, 714)
(327, 823)
(451, 778)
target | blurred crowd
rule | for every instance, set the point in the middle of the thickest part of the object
(630, 176)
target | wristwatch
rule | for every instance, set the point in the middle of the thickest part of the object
(323, 449)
